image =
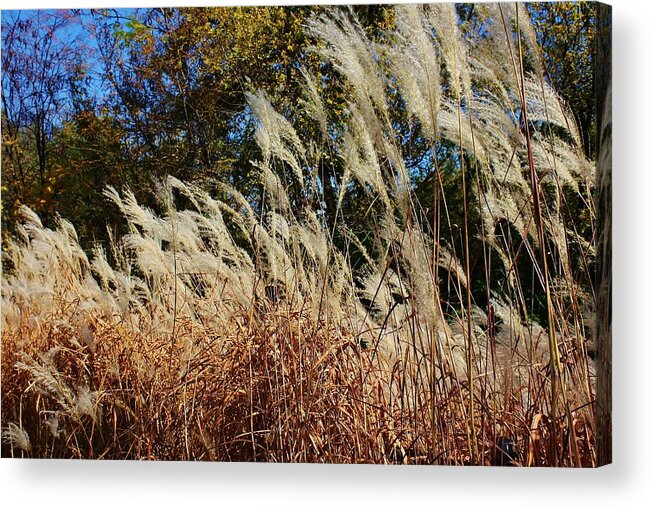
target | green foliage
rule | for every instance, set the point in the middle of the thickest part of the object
(88, 155)
(566, 35)
(134, 32)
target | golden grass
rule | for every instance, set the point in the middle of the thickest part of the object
(271, 385)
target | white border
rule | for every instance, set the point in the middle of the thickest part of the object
(627, 481)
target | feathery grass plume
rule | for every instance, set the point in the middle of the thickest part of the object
(528, 37)
(361, 159)
(276, 136)
(52, 424)
(497, 50)
(312, 104)
(274, 188)
(16, 437)
(47, 380)
(416, 67)
(347, 47)
(545, 106)
(456, 125)
(86, 402)
(443, 18)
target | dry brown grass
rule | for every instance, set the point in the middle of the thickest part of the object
(272, 385)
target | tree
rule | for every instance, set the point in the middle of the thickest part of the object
(566, 35)
(179, 77)
(42, 62)
(87, 155)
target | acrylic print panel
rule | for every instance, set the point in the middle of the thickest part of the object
(367, 234)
